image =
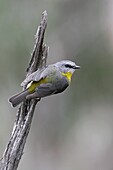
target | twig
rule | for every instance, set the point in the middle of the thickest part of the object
(22, 124)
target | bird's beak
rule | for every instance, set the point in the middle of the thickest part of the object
(76, 67)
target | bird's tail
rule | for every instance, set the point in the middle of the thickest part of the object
(18, 98)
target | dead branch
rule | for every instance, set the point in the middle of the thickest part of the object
(14, 149)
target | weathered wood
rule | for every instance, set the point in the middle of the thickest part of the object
(22, 124)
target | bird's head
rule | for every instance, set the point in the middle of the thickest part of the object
(66, 66)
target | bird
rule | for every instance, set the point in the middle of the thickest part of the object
(51, 79)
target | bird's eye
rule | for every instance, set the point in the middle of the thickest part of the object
(67, 65)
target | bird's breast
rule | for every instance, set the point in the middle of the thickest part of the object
(68, 75)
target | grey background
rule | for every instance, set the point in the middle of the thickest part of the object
(73, 130)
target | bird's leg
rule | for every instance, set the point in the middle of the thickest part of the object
(33, 96)
(38, 99)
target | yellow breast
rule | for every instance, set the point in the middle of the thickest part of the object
(68, 75)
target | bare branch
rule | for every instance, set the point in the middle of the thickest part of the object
(22, 124)
(38, 51)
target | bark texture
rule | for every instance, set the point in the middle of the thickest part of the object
(14, 149)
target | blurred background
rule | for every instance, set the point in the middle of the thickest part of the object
(73, 130)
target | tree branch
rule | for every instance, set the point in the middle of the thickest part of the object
(22, 124)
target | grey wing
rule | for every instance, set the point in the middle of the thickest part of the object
(39, 74)
(35, 76)
(46, 90)
(43, 91)
(50, 88)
